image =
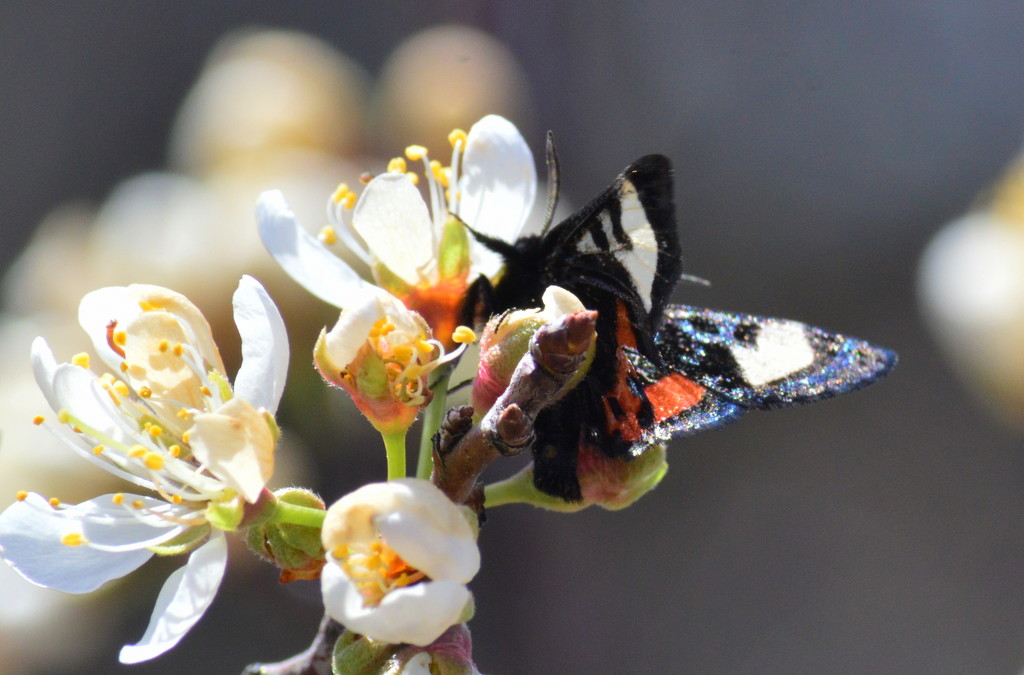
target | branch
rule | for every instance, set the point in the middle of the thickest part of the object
(544, 375)
(316, 660)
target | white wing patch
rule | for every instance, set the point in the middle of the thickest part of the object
(781, 349)
(642, 261)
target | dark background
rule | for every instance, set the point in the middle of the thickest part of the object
(818, 146)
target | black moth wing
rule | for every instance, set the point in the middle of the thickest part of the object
(762, 362)
(623, 245)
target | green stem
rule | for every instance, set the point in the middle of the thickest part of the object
(394, 445)
(432, 417)
(298, 515)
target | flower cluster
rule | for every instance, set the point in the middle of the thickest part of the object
(394, 558)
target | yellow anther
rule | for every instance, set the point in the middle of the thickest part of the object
(183, 413)
(415, 152)
(445, 178)
(350, 200)
(184, 438)
(164, 345)
(205, 391)
(424, 347)
(155, 431)
(456, 136)
(120, 338)
(118, 499)
(137, 451)
(21, 496)
(328, 235)
(98, 450)
(414, 178)
(153, 461)
(178, 349)
(175, 450)
(176, 499)
(38, 419)
(124, 367)
(73, 539)
(63, 416)
(54, 502)
(145, 392)
(339, 551)
(414, 372)
(397, 165)
(403, 353)
(340, 193)
(80, 359)
(435, 168)
(137, 504)
(121, 389)
(463, 335)
(147, 306)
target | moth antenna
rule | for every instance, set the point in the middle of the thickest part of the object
(551, 158)
(700, 281)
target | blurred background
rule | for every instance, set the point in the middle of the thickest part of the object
(819, 148)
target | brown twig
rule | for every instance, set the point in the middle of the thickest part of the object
(543, 375)
(316, 660)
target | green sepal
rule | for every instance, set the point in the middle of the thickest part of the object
(223, 386)
(358, 655)
(390, 282)
(226, 514)
(453, 254)
(186, 542)
(296, 549)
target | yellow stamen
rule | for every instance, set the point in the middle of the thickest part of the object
(463, 335)
(145, 392)
(175, 450)
(98, 450)
(183, 413)
(153, 461)
(155, 431)
(415, 152)
(137, 504)
(184, 438)
(340, 193)
(118, 499)
(121, 389)
(445, 178)
(397, 165)
(349, 201)
(457, 135)
(137, 451)
(328, 235)
(176, 499)
(148, 306)
(123, 367)
(120, 338)
(73, 539)
(413, 177)
(414, 372)
(63, 416)
(178, 350)
(54, 502)
(403, 353)
(80, 359)
(164, 345)
(38, 419)
(205, 390)
(21, 496)
(424, 347)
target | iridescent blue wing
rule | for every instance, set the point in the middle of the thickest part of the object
(762, 362)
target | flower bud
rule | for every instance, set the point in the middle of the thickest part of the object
(296, 549)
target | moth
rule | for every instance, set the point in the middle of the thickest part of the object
(659, 370)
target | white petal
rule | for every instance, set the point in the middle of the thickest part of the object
(260, 379)
(440, 548)
(112, 527)
(96, 311)
(184, 598)
(498, 185)
(75, 389)
(393, 219)
(44, 367)
(416, 614)
(30, 534)
(354, 323)
(560, 303)
(235, 443)
(302, 256)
